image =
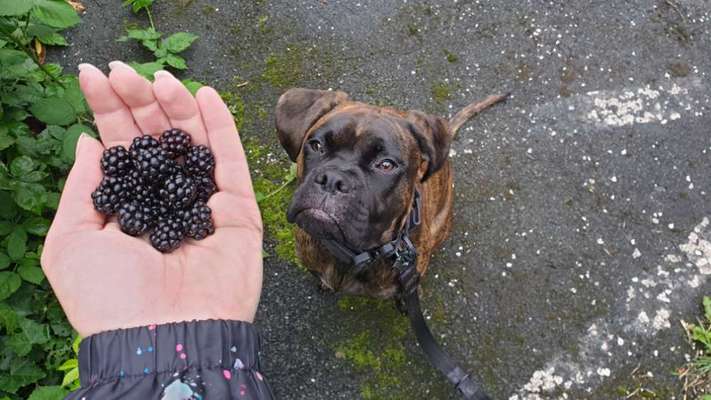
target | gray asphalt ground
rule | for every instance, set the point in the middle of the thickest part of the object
(582, 234)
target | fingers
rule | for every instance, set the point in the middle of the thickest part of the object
(231, 171)
(180, 106)
(112, 117)
(76, 211)
(136, 92)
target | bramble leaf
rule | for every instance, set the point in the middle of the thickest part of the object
(17, 244)
(9, 283)
(23, 372)
(31, 272)
(15, 7)
(54, 111)
(179, 42)
(176, 61)
(48, 393)
(56, 13)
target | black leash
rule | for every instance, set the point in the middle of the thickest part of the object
(404, 256)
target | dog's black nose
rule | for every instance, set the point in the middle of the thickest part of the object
(332, 182)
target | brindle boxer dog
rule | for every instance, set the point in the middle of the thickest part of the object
(358, 167)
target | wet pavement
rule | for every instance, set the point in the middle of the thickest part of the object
(582, 232)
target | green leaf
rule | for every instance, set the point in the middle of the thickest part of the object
(49, 392)
(22, 373)
(69, 364)
(31, 196)
(5, 139)
(8, 318)
(9, 283)
(147, 69)
(22, 165)
(31, 273)
(707, 308)
(71, 376)
(8, 209)
(54, 111)
(4, 261)
(17, 244)
(193, 86)
(37, 226)
(56, 13)
(15, 7)
(143, 34)
(176, 61)
(179, 42)
(73, 94)
(69, 142)
(138, 5)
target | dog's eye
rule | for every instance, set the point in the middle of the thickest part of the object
(316, 146)
(386, 165)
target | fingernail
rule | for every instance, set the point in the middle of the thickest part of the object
(163, 74)
(119, 64)
(82, 139)
(85, 67)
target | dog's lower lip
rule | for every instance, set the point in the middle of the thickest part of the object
(318, 217)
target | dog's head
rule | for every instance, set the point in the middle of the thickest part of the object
(358, 164)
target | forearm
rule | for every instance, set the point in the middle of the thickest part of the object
(188, 360)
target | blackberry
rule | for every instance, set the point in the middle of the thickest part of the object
(175, 142)
(112, 191)
(143, 142)
(116, 161)
(199, 161)
(178, 191)
(205, 187)
(153, 163)
(167, 235)
(135, 218)
(197, 221)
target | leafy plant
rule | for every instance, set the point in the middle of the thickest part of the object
(166, 50)
(697, 373)
(42, 113)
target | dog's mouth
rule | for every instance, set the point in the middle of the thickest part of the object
(317, 223)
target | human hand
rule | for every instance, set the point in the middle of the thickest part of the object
(106, 279)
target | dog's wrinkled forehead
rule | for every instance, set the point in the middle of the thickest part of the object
(364, 128)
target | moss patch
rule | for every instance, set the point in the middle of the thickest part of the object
(284, 69)
(441, 92)
(273, 184)
(376, 350)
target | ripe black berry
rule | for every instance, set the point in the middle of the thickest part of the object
(199, 161)
(175, 142)
(143, 142)
(197, 221)
(167, 235)
(135, 218)
(205, 187)
(153, 163)
(159, 187)
(112, 191)
(178, 191)
(116, 161)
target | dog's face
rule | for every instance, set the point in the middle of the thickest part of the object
(358, 164)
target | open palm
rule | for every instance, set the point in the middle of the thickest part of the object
(106, 279)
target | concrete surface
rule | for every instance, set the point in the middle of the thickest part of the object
(582, 212)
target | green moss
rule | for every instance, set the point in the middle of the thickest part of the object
(451, 57)
(441, 92)
(285, 69)
(375, 348)
(274, 187)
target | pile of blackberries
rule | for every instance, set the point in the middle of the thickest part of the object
(159, 187)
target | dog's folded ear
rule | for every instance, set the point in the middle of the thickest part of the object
(298, 110)
(433, 136)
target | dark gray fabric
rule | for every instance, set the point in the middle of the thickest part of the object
(179, 361)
